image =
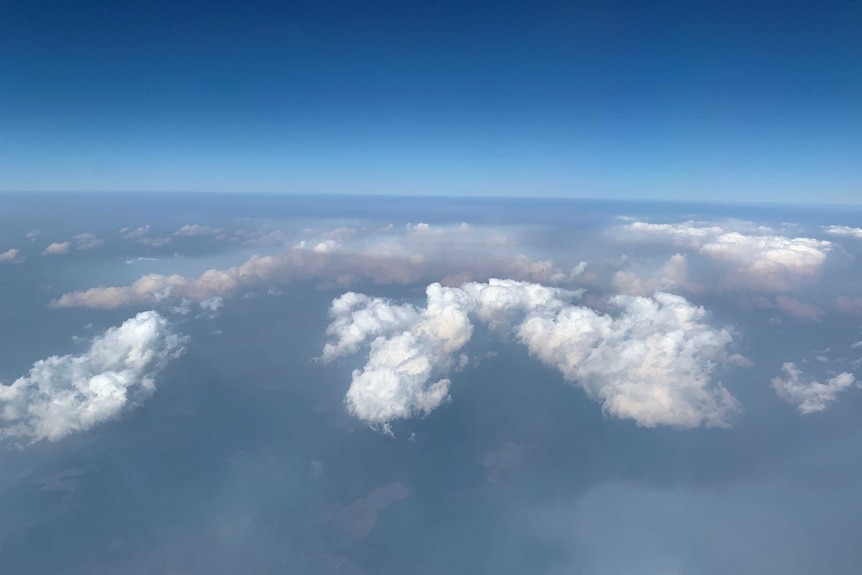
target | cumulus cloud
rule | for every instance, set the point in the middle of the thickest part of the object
(64, 394)
(755, 257)
(411, 348)
(810, 396)
(846, 231)
(57, 249)
(651, 360)
(11, 255)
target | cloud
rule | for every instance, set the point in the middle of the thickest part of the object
(848, 304)
(87, 241)
(809, 396)
(651, 361)
(141, 235)
(797, 308)
(211, 306)
(671, 277)
(57, 248)
(135, 233)
(754, 258)
(450, 255)
(356, 318)
(11, 255)
(190, 230)
(410, 348)
(846, 231)
(64, 394)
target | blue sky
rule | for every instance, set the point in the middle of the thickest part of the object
(671, 100)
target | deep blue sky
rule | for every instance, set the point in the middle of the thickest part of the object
(706, 100)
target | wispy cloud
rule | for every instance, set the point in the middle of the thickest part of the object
(807, 395)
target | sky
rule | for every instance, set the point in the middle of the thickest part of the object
(265, 383)
(715, 101)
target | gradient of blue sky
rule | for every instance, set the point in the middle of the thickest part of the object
(704, 100)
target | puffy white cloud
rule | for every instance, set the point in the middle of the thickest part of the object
(755, 257)
(809, 396)
(12, 255)
(651, 361)
(64, 394)
(57, 249)
(846, 231)
(357, 318)
(411, 348)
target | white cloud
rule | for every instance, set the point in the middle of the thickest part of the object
(451, 255)
(671, 277)
(11, 255)
(212, 305)
(64, 394)
(327, 246)
(357, 318)
(135, 233)
(87, 241)
(846, 231)
(809, 396)
(652, 361)
(755, 257)
(190, 230)
(142, 236)
(57, 249)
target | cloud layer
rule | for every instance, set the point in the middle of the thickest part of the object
(651, 360)
(64, 394)
(417, 255)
